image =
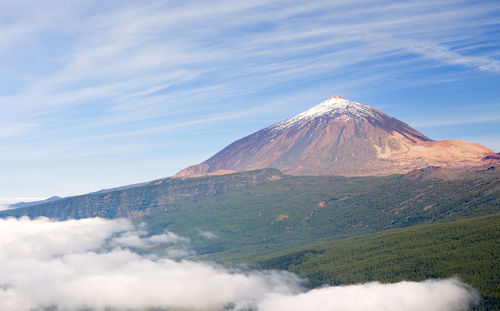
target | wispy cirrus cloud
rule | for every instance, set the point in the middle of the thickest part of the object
(457, 121)
(105, 61)
(125, 74)
(15, 129)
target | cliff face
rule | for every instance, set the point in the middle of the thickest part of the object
(341, 137)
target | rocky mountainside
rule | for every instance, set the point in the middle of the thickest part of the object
(264, 211)
(341, 137)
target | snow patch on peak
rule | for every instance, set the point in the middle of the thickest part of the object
(335, 107)
(337, 104)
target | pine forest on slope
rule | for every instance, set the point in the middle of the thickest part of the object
(467, 249)
(262, 211)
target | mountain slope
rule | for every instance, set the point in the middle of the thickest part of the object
(258, 212)
(26, 204)
(340, 137)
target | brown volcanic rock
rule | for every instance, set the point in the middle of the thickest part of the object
(340, 137)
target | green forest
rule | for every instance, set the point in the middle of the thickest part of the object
(466, 249)
(331, 229)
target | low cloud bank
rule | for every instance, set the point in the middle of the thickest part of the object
(436, 295)
(90, 263)
(207, 234)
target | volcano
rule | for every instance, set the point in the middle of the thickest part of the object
(341, 137)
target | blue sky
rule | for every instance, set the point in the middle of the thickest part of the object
(99, 94)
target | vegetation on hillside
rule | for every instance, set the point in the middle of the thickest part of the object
(263, 214)
(264, 211)
(468, 249)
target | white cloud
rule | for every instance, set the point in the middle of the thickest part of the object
(173, 246)
(431, 295)
(45, 263)
(207, 234)
(69, 264)
(42, 238)
(168, 237)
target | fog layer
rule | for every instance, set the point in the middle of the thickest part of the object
(91, 263)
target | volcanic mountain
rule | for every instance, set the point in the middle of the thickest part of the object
(340, 137)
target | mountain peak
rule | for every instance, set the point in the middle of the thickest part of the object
(334, 107)
(341, 137)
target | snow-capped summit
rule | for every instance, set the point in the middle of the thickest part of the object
(334, 107)
(340, 137)
(337, 105)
